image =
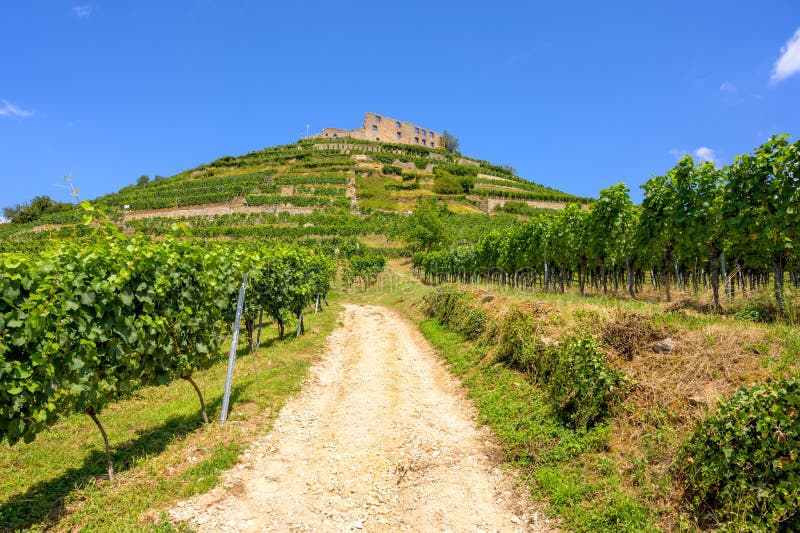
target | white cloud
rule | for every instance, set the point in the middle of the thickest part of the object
(677, 154)
(82, 11)
(789, 62)
(727, 87)
(3, 220)
(10, 110)
(704, 153)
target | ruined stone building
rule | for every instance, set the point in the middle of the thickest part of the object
(385, 129)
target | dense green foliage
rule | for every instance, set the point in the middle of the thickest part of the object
(83, 325)
(86, 323)
(284, 280)
(692, 220)
(183, 191)
(34, 210)
(519, 208)
(740, 466)
(363, 268)
(446, 183)
(579, 382)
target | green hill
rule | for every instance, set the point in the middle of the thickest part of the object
(313, 189)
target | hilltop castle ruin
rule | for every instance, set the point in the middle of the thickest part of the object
(385, 129)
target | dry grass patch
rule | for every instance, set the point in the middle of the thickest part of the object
(628, 333)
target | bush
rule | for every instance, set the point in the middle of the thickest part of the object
(445, 183)
(758, 310)
(582, 385)
(405, 186)
(520, 208)
(33, 211)
(521, 347)
(740, 466)
(579, 383)
(454, 309)
(364, 267)
(391, 169)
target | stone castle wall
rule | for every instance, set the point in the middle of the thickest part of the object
(386, 129)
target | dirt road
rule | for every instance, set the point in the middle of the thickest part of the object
(381, 439)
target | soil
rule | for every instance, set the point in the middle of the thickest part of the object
(382, 438)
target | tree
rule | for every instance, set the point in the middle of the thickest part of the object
(425, 228)
(29, 212)
(699, 229)
(609, 229)
(762, 201)
(450, 142)
(143, 180)
(657, 227)
(467, 183)
(445, 183)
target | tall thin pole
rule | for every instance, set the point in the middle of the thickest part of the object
(232, 355)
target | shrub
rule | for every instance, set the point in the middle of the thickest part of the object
(740, 466)
(582, 385)
(579, 383)
(758, 310)
(520, 208)
(445, 183)
(33, 211)
(454, 309)
(405, 186)
(391, 169)
(520, 345)
(364, 267)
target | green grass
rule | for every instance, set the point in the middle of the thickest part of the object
(162, 451)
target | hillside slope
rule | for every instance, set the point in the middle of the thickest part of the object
(313, 188)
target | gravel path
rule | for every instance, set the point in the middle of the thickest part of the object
(381, 439)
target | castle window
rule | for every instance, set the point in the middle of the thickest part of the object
(416, 130)
(374, 127)
(398, 124)
(431, 144)
(423, 133)
(377, 118)
(398, 134)
(416, 140)
(431, 135)
(335, 136)
(423, 142)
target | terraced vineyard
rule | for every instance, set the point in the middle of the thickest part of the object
(322, 191)
(637, 364)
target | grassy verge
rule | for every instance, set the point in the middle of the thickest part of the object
(162, 450)
(565, 467)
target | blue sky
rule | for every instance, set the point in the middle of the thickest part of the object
(578, 96)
